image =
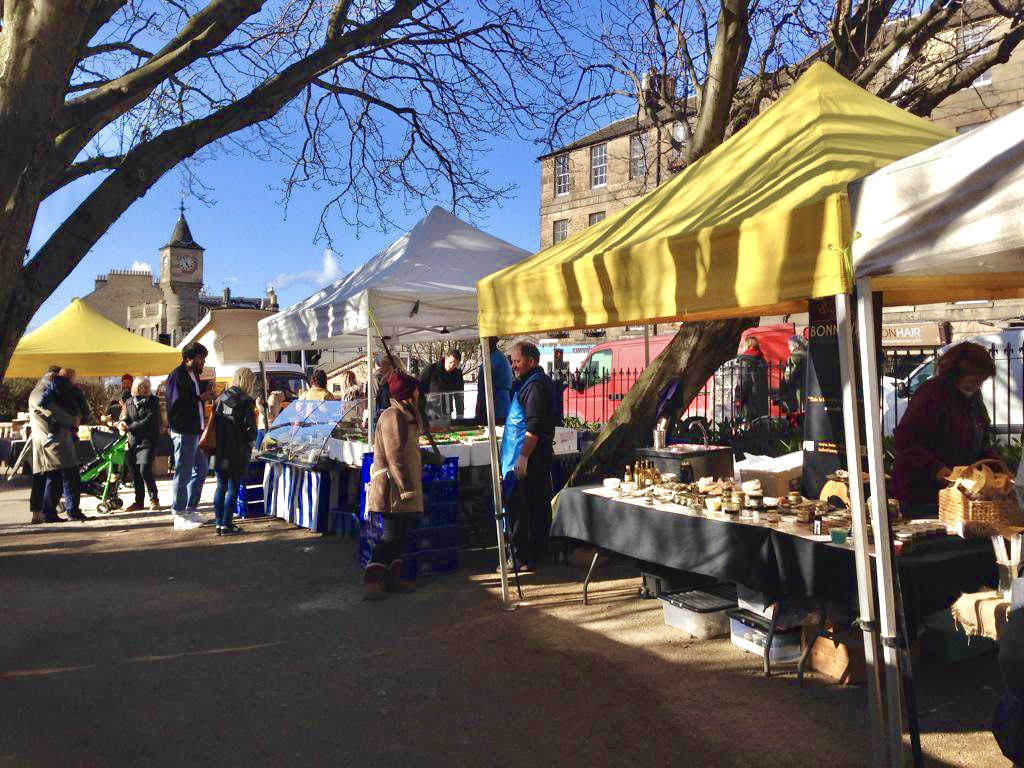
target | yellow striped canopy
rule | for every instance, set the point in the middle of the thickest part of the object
(756, 227)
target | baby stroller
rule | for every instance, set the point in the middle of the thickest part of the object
(102, 467)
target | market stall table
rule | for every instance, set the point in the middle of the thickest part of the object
(776, 559)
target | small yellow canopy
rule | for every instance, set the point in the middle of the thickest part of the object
(81, 338)
(756, 227)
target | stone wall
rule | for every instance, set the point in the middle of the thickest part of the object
(118, 290)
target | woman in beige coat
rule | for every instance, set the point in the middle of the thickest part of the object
(396, 486)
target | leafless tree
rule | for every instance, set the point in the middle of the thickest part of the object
(694, 73)
(381, 102)
(699, 72)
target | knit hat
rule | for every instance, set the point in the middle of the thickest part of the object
(401, 386)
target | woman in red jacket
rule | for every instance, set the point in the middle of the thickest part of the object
(945, 426)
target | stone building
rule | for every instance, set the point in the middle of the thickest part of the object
(168, 309)
(603, 172)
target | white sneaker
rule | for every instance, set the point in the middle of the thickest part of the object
(199, 517)
(184, 522)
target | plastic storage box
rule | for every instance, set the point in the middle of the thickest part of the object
(701, 613)
(750, 632)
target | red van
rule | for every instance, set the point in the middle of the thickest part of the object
(611, 369)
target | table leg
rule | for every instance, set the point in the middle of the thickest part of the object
(590, 572)
(819, 631)
(776, 613)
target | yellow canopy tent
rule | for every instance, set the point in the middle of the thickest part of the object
(756, 227)
(81, 338)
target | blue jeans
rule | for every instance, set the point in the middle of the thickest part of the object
(190, 470)
(225, 498)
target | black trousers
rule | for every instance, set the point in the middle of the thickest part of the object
(392, 542)
(142, 478)
(530, 510)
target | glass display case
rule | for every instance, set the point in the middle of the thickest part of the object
(302, 434)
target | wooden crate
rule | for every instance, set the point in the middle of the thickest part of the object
(842, 662)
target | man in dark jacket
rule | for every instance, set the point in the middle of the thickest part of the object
(186, 419)
(530, 504)
(750, 392)
(445, 377)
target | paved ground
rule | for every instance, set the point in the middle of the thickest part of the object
(126, 643)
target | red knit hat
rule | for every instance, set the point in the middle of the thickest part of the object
(401, 386)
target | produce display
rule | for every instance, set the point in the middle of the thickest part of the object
(726, 499)
(301, 433)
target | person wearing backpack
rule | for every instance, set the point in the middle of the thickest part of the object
(234, 417)
(527, 452)
(142, 423)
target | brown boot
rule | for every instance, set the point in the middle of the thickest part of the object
(396, 583)
(154, 505)
(374, 579)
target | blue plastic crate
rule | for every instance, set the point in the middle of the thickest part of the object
(430, 562)
(249, 502)
(440, 514)
(254, 473)
(446, 472)
(347, 524)
(440, 492)
(444, 537)
(440, 485)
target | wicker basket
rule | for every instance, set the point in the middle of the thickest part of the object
(955, 507)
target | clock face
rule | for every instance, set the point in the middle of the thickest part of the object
(187, 263)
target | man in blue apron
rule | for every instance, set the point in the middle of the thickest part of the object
(527, 453)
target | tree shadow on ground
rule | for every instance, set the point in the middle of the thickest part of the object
(260, 652)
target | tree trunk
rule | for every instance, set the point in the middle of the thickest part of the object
(695, 353)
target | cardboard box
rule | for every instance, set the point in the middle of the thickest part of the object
(777, 475)
(566, 441)
(842, 661)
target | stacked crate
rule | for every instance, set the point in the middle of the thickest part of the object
(249, 502)
(432, 546)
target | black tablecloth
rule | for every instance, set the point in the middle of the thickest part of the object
(776, 563)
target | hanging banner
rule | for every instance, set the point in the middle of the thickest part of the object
(824, 450)
(824, 432)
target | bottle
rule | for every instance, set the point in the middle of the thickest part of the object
(628, 477)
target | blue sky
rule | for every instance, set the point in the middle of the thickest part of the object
(248, 240)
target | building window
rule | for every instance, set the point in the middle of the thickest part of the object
(559, 230)
(637, 156)
(561, 175)
(971, 44)
(599, 165)
(595, 217)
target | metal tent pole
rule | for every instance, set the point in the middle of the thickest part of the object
(862, 559)
(647, 345)
(485, 356)
(880, 519)
(371, 399)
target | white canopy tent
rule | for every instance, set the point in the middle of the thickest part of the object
(941, 225)
(422, 287)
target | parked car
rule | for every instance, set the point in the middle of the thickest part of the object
(1003, 393)
(611, 369)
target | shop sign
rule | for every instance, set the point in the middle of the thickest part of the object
(914, 335)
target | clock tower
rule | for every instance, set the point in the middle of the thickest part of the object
(181, 279)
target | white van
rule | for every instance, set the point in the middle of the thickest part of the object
(1002, 393)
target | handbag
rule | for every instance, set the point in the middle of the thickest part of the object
(208, 440)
